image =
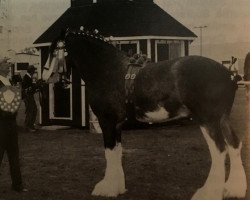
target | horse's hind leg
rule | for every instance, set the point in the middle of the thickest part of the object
(236, 183)
(214, 185)
(113, 182)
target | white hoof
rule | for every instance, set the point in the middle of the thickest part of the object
(236, 185)
(236, 190)
(113, 182)
(205, 194)
(107, 189)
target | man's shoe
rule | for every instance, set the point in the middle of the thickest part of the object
(24, 190)
(31, 129)
(19, 189)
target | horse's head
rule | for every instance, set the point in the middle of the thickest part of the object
(92, 53)
(55, 69)
(80, 42)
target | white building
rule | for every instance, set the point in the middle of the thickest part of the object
(22, 60)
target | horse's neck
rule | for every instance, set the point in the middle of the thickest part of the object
(104, 65)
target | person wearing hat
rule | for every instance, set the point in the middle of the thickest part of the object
(28, 91)
(10, 99)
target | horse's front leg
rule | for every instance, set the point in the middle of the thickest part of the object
(113, 182)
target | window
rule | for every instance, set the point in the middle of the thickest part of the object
(174, 50)
(162, 52)
(167, 50)
(61, 101)
(22, 66)
(129, 47)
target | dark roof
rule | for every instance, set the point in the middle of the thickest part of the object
(30, 54)
(118, 19)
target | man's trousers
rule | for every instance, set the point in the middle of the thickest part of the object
(9, 144)
(31, 111)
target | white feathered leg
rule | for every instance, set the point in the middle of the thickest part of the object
(113, 182)
(236, 184)
(214, 185)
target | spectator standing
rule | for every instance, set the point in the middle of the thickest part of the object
(10, 99)
(28, 91)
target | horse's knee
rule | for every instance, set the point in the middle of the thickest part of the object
(214, 131)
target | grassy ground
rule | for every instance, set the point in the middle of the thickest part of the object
(66, 164)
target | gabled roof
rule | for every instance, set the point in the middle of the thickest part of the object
(119, 19)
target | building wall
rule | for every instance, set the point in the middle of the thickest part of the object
(20, 58)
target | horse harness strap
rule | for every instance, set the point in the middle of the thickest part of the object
(133, 70)
(137, 62)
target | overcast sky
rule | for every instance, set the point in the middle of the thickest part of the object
(227, 21)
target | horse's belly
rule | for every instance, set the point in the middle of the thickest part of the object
(162, 115)
(157, 116)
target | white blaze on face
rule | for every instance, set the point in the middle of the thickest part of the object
(214, 185)
(113, 183)
(236, 184)
(158, 115)
(49, 68)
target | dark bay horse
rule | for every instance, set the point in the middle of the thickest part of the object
(167, 90)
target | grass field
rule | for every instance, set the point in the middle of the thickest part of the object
(66, 164)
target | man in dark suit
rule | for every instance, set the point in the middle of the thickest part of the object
(28, 91)
(10, 99)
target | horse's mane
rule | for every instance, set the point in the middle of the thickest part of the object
(92, 38)
(89, 35)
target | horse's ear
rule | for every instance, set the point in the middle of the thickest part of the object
(62, 34)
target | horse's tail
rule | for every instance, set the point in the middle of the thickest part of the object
(236, 78)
